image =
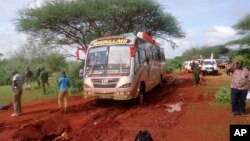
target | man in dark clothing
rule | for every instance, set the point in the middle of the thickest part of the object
(44, 79)
(37, 76)
(195, 71)
(28, 76)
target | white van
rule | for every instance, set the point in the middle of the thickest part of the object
(209, 66)
(187, 65)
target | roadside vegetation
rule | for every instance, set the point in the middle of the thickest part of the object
(223, 96)
(195, 53)
(36, 94)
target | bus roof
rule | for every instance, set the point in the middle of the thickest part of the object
(126, 38)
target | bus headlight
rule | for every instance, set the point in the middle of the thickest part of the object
(126, 85)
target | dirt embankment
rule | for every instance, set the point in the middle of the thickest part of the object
(87, 120)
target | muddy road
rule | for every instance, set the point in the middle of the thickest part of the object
(87, 120)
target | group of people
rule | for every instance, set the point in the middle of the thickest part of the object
(17, 89)
(41, 77)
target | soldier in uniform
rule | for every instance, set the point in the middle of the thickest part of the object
(44, 79)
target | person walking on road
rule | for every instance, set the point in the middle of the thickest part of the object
(196, 72)
(239, 88)
(63, 84)
(17, 93)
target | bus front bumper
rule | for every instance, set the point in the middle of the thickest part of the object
(109, 94)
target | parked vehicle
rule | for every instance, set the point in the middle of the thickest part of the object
(187, 65)
(123, 67)
(209, 66)
(223, 60)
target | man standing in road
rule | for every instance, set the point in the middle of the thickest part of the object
(195, 71)
(239, 88)
(17, 93)
(44, 79)
(63, 84)
(28, 77)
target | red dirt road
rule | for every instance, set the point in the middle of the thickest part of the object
(200, 118)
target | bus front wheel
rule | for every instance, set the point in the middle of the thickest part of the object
(140, 98)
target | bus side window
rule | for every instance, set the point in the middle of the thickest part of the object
(137, 61)
(142, 55)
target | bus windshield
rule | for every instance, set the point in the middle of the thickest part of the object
(108, 61)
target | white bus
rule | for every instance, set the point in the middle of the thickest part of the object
(123, 67)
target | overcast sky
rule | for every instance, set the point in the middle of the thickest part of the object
(205, 22)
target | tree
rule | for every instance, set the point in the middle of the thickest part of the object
(205, 52)
(243, 41)
(77, 22)
(56, 62)
(244, 26)
(34, 50)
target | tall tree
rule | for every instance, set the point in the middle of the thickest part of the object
(244, 26)
(33, 50)
(77, 22)
(205, 52)
(244, 23)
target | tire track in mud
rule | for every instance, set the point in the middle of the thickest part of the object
(96, 114)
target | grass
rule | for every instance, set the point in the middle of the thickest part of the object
(33, 95)
(216, 84)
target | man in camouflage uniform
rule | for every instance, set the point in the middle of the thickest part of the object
(44, 79)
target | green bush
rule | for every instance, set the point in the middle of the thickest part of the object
(76, 86)
(173, 64)
(75, 82)
(52, 90)
(223, 96)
